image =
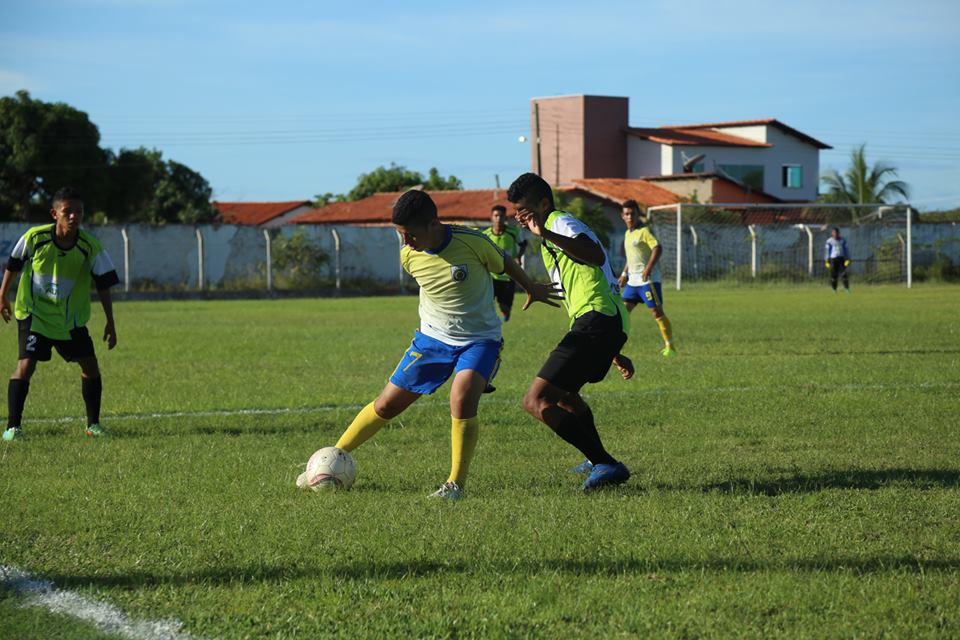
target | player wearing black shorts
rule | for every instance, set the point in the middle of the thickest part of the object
(507, 238)
(578, 264)
(59, 263)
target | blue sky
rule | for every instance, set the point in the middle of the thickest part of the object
(283, 100)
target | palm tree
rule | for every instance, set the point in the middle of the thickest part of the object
(863, 184)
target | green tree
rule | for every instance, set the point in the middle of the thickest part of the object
(146, 188)
(43, 147)
(298, 259)
(436, 182)
(399, 178)
(862, 184)
(591, 214)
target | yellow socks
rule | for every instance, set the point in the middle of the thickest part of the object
(463, 442)
(363, 427)
(665, 330)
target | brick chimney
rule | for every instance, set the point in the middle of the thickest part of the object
(580, 137)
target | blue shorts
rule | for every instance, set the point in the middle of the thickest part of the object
(428, 363)
(651, 294)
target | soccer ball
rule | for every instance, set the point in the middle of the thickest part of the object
(330, 468)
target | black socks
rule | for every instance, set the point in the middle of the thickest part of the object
(92, 391)
(16, 397)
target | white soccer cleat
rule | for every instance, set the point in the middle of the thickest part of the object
(448, 491)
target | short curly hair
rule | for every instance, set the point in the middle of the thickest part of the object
(529, 186)
(66, 193)
(414, 208)
(631, 204)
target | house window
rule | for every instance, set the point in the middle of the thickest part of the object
(792, 176)
(750, 175)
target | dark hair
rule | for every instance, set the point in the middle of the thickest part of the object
(631, 204)
(66, 193)
(530, 186)
(837, 229)
(414, 208)
(498, 207)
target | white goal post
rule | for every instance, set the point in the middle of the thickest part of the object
(750, 242)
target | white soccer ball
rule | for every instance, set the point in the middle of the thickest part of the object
(330, 469)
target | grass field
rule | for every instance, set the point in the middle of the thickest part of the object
(796, 473)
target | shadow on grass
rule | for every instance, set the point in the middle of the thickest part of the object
(523, 569)
(842, 479)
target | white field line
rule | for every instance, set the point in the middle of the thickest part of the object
(160, 415)
(37, 592)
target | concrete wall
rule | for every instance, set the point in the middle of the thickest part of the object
(643, 158)
(168, 258)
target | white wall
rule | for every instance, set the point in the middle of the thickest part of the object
(643, 157)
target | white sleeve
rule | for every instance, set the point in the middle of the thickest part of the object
(102, 263)
(570, 227)
(20, 249)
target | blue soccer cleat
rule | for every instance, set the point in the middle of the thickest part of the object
(606, 475)
(584, 467)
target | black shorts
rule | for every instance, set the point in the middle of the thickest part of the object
(37, 346)
(586, 352)
(503, 291)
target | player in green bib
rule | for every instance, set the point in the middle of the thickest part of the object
(58, 264)
(506, 237)
(578, 264)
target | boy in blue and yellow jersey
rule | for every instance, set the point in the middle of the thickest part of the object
(507, 238)
(640, 279)
(837, 259)
(578, 264)
(59, 263)
(459, 331)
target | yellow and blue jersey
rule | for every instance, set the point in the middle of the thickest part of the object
(638, 245)
(456, 288)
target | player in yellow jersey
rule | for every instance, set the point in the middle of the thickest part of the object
(640, 280)
(58, 264)
(459, 331)
(507, 238)
(578, 264)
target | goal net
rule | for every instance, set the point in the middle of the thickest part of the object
(781, 242)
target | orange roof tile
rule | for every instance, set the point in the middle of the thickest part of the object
(620, 190)
(746, 123)
(466, 205)
(255, 212)
(700, 137)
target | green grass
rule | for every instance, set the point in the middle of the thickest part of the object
(796, 474)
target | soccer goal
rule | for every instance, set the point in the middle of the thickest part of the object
(781, 242)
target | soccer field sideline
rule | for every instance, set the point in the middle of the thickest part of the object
(429, 402)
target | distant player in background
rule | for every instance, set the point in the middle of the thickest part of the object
(577, 263)
(58, 263)
(459, 331)
(640, 280)
(507, 238)
(837, 259)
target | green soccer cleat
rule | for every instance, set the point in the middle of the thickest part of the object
(13, 433)
(668, 352)
(95, 431)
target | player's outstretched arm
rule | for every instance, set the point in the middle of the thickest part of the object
(545, 293)
(110, 329)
